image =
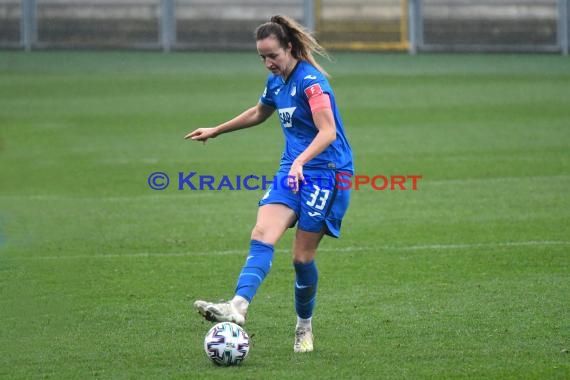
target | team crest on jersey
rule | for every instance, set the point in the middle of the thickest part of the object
(294, 91)
(286, 116)
(313, 90)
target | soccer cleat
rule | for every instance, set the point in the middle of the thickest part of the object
(219, 312)
(303, 340)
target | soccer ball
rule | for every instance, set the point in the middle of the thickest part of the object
(226, 344)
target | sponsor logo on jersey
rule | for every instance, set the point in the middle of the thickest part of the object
(286, 116)
(310, 77)
(313, 90)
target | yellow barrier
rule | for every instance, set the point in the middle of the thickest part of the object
(366, 34)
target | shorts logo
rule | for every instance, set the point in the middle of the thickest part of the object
(313, 90)
(314, 213)
(286, 116)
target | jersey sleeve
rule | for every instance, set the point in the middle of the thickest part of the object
(314, 85)
(266, 98)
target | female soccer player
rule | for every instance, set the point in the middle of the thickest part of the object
(304, 191)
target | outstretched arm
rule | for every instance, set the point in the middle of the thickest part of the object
(249, 118)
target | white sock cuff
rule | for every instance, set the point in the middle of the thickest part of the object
(240, 303)
(301, 322)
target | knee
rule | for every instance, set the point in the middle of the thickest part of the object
(262, 234)
(301, 256)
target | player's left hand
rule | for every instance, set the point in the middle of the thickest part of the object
(296, 176)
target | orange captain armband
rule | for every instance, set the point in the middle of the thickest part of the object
(320, 102)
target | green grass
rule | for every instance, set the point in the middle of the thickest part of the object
(467, 277)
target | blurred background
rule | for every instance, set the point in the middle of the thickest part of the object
(371, 25)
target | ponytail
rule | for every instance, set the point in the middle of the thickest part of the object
(288, 30)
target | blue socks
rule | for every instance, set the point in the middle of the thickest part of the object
(305, 288)
(255, 269)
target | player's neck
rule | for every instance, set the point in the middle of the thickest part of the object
(289, 70)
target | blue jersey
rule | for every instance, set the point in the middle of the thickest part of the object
(291, 100)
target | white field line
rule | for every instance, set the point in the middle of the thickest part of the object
(424, 247)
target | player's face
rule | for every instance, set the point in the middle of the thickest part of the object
(277, 59)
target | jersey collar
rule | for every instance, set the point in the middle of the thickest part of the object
(292, 72)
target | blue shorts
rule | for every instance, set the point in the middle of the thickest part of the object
(319, 205)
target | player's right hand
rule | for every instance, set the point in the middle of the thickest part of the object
(201, 134)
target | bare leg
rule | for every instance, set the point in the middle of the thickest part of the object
(305, 246)
(272, 222)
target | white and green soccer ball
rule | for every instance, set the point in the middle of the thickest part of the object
(226, 344)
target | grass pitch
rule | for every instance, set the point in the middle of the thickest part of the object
(466, 277)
